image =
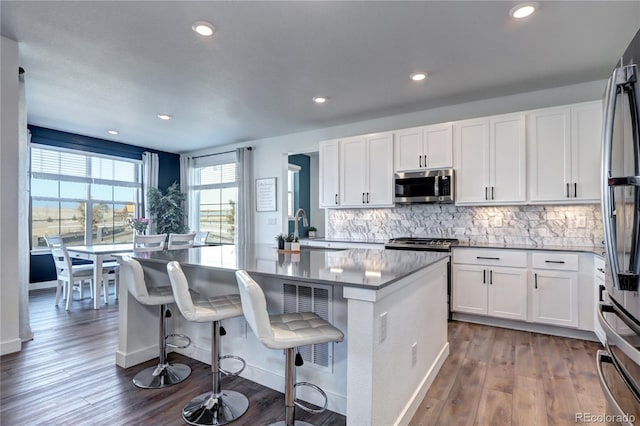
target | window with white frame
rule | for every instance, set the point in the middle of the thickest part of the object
(214, 195)
(86, 198)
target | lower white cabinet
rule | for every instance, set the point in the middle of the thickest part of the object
(555, 297)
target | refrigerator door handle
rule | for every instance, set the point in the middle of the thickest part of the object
(612, 336)
(602, 357)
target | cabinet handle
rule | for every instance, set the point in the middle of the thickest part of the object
(485, 193)
(568, 190)
(492, 193)
(368, 197)
(554, 261)
(491, 277)
(487, 258)
(363, 198)
(336, 198)
(601, 270)
(484, 276)
(535, 279)
(420, 160)
(575, 190)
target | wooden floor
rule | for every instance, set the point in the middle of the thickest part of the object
(494, 376)
(67, 376)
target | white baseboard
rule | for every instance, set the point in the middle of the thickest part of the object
(126, 360)
(416, 399)
(274, 380)
(42, 285)
(10, 346)
(573, 333)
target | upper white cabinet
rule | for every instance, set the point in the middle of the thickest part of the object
(490, 160)
(427, 147)
(357, 171)
(329, 173)
(564, 153)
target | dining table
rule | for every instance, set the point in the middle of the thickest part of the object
(98, 254)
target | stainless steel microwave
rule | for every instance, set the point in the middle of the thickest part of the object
(425, 186)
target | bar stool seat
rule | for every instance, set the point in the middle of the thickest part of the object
(164, 374)
(219, 406)
(285, 331)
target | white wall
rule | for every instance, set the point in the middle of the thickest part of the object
(270, 153)
(9, 288)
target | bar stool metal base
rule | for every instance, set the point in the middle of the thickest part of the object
(161, 376)
(208, 409)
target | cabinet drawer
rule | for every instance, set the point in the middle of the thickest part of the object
(556, 261)
(513, 258)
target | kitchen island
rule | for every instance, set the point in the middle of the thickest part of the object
(391, 306)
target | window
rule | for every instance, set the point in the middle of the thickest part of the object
(215, 195)
(292, 189)
(85, 198)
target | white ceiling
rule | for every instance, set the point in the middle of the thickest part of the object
(92, 66)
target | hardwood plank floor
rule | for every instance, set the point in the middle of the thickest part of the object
(67, 376)
(493, 376)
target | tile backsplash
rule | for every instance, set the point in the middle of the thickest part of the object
(539, 225)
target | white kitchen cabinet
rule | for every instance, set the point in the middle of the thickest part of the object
(427, 147)
(490, 158)
(367, 171)
(329, 173)
(564, 153)
(483, 286)
(555, 297)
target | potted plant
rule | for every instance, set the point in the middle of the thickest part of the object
(167, 209)
(288, 241)
(312, 231)
(139, 224)
(295, 245)
(280, 238)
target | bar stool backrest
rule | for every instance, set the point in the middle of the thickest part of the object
(180, 241)
(131, 273)
(254, 306)
(180, 287)
(149, 242)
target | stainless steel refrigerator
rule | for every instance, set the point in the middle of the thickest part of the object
(619, 308)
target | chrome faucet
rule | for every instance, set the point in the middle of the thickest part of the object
(296, 218)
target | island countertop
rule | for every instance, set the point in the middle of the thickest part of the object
(367, 268)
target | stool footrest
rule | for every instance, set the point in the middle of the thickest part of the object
(175, 345)
(317, 389)
(233, 373)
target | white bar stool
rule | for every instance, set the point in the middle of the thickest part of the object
(220, 406)
(164, 374)
(286, 331)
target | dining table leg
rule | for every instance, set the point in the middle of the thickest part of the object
(97, 279)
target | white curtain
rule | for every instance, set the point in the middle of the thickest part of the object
(23, 213)
(150, 166)
(244, 210)
(186, 182)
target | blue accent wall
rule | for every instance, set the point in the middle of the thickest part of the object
(302, 190)
(42, 266)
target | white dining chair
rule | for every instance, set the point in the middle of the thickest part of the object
(70, 277)
(180, 241)
(149, 242)
(201, 238)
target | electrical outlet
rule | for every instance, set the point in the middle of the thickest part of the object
(581, 222)
(383, 327)
(414, 354)
(497, 222)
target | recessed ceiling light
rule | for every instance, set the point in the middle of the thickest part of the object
(113, 132)
(164, 117)
(203, 28)
(319, 99)
(418, 76)
(523, 10)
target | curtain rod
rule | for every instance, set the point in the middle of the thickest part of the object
(219, 153)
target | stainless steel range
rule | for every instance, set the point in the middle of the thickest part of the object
(427, 244)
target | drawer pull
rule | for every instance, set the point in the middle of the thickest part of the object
(601, 270)
(487, 258)
(554, 261)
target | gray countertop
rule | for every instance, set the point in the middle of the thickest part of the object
(368, 268)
